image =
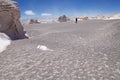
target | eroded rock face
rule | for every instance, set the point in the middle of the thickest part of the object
(9, 20)
(32, 21)
(63, 18)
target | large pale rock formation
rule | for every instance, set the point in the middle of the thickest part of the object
(9, 20)
(63, 18)
(115, 16)
(83, 18)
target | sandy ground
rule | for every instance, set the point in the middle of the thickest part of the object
(89, 50)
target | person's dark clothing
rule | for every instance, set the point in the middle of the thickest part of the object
(76, 20)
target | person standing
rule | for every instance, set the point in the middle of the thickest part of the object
(76, 20)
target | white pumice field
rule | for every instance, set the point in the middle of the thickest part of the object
(88, 50)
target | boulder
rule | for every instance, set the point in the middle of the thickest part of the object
(9, 20)
(33, 21)
(4, 42)
(63, 18)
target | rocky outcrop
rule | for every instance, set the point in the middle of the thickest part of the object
(83, 18)
(115, 16)
(33, 21)
(63, 18)
(9, 20)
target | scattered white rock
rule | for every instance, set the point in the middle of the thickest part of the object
(103, 17)
(27, 35)
(44, 48)
(4, 42)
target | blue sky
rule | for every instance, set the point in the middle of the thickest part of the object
(55, 8)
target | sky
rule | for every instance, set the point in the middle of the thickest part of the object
(72, 8)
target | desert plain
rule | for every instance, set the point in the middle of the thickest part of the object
(88, 50)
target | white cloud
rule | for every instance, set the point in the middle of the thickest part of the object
(46, 14)
(29, 12)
